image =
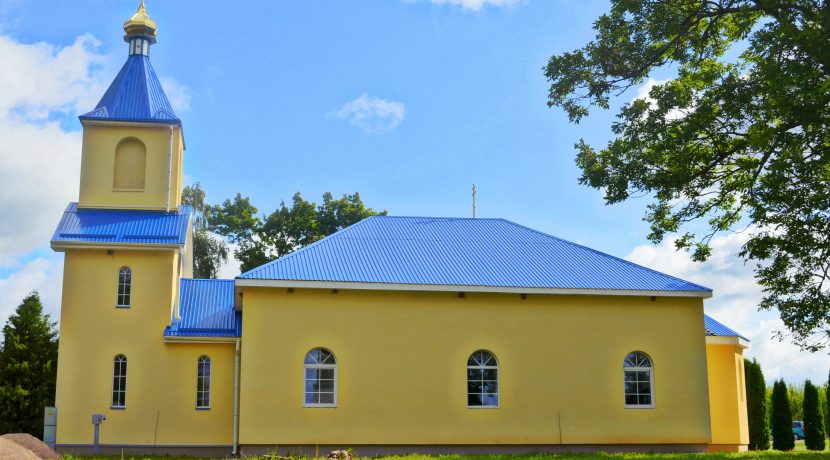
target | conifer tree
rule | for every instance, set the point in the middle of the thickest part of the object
(827, 404)
(28, 368)
(781, 418)
(813, 423)
(756, 404)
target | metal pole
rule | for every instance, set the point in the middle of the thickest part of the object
(95, 441)
(474, 201)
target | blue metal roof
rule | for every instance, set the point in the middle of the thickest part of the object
(717, 329)
(206, 309)
(461, 252)
(115, 226)
(135, 95)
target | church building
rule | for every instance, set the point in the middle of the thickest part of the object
(394, 335)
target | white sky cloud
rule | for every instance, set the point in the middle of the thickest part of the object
(230, 269)
(645, 89)
(475, 5)
(177, 93)
(735, 301)
(372, 114)
(39, 160)
(44, 275)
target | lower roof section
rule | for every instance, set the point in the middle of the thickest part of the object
(206, 312)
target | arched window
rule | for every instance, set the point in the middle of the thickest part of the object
(639, 381)
(203, 383)
(130, 165)
(482, 380)
(125, 283)
(320, 378)
(119, 382)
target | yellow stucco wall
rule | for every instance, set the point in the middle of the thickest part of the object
(402, 368)
(727, 396)
(161, 378)
(98, 167)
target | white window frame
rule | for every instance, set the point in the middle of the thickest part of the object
(116, 360)
(318, 366)
(638, 368)
(128, 285)
(482, 368)
(203, 359)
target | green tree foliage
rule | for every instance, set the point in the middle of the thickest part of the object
(740, 136)
(28, 368)
(781, 418)
(826, 404)
(813, 421)
(209, 252)
(756, 404)
(795, 394)
(262, 239)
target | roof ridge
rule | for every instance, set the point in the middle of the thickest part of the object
(438, 217)
(304, 248)
(605, 254)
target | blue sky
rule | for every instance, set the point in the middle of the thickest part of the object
(408, 102)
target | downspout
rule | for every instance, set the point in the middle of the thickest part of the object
(176, 311)
(236, 400)
(170, 167)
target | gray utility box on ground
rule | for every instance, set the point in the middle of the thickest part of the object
(50, 425)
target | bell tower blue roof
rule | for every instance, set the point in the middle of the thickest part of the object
(136, 93)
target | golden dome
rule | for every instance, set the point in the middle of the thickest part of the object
(140, 25)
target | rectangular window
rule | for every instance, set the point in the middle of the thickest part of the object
(119, 382)
(319, 386)
(203, 383)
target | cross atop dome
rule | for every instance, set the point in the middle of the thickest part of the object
(140, 31)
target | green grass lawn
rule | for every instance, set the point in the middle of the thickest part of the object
(799, 451)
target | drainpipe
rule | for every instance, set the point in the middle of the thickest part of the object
(170, 167)
(176, 311)
(236, 400)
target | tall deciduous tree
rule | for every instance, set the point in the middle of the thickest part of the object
(28, 368)
(262, 239)
(740, 137)
(813, 423)
(781, 418)
(209, 252)
(756, 404)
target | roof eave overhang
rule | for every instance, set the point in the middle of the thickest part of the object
(195, 339)
(727, 340)
(61, 246)
(246, 282)
(146, 123)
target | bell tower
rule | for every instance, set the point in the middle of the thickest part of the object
(133, 144)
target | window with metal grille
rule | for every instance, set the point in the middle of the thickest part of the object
(482, 380)
(119, 382)
(203, 383)
(320, 379)
(638, 377)
(125, 282)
